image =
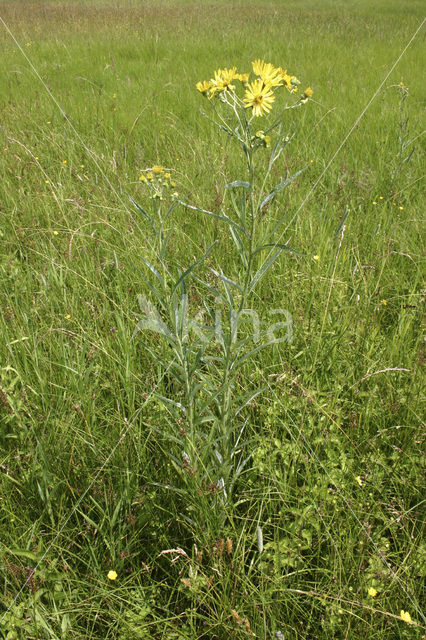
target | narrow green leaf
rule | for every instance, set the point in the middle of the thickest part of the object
(224, 218)
(143, 212)
(192, 267)
(227, 280)
(279, 187)
(278, 245)
(263, 269)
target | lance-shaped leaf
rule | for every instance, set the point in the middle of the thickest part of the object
(144, 213)
(248, 398)
(277, 245)
(280, 186)
(263, 269)
(192, 267)
(224, 218)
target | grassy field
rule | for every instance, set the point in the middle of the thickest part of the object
(296, 512)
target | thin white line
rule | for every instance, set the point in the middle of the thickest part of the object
(63, 114)
(385, 562)
(129, 424)
(318, 180)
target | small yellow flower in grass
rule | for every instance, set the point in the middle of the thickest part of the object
(157, 169)
(35, 157)
(82, 166)
(358, 479)
(401, 208)
(64, 162)
(142, 178)
(405, 616)
(259, 97)
(68, 316)
(316, 258)
(47, 181)
(308, 92)
(55, 233)
(380, 197)
(112, 575)
(167, 175)
(150, 175)
(372, 592)
(384, 302)
(374, 202)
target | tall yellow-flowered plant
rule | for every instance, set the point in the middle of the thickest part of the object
(206, 365)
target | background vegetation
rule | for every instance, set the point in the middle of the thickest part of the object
(88, 475)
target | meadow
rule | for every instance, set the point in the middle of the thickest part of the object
(176, 489)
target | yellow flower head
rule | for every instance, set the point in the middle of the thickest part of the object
(150, 175)
(267, 72)
(405, 616)
(286, 79)
(358, 479)
(308, 92)
(242, 77)
(222, 80)
(259, 97)
(203, 87)
(372, 592)
(157, 169)
(142, 178)
(112, 575)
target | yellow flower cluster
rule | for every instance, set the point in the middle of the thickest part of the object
(158, 179)
(259, 94)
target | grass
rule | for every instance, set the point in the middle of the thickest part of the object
(93, 472)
